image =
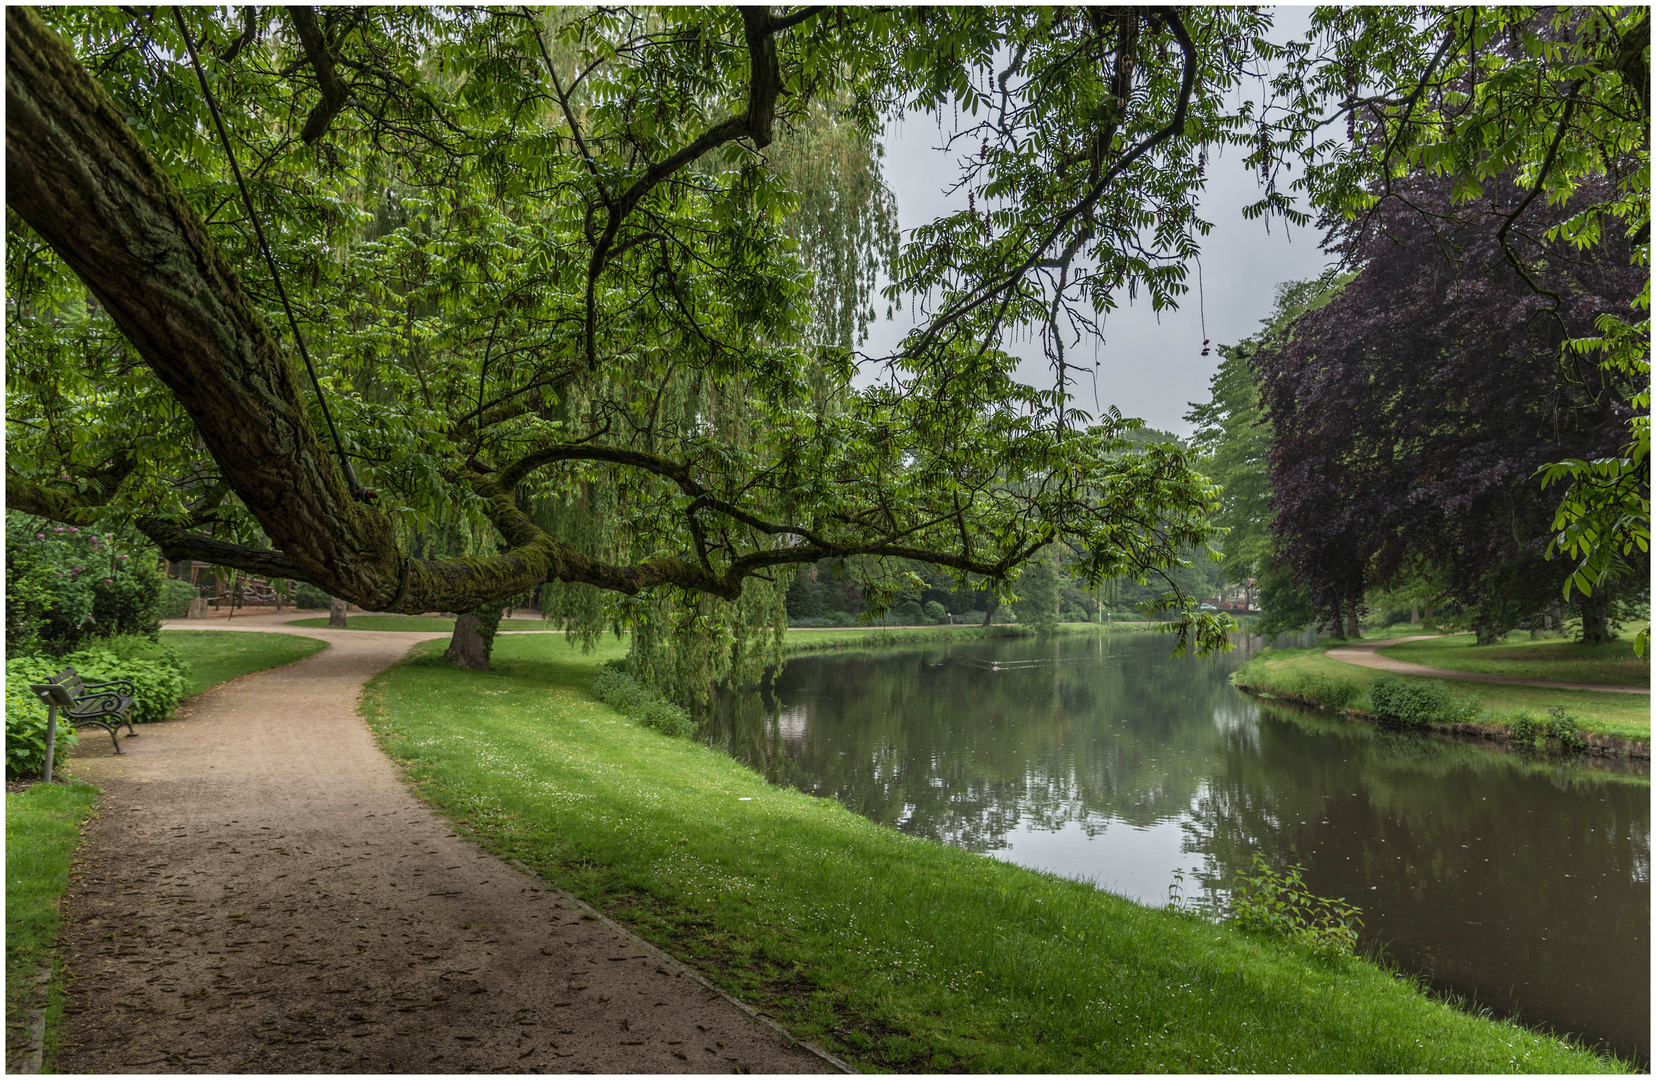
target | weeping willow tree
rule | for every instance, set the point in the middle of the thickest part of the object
(590, 282)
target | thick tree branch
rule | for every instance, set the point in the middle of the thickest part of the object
(334, 93)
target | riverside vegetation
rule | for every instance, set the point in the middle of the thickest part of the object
(1309, 675)
(897, 953)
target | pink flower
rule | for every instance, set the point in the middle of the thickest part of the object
(58, 529)
(120, 556)
(73, 529)
(40, 536)
(109, 581)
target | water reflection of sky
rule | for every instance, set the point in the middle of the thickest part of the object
(1524, 885)
(1136, 861)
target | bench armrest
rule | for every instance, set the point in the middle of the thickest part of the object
(103, 703)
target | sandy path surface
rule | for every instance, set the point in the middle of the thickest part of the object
(1366, 654)
(261, 893)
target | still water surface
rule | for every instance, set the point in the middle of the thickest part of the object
(1523, 885)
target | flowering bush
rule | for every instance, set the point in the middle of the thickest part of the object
(65, 584)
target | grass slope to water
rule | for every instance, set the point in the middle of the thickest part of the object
(1623, 715)
(217, 656)
(42, 829)
(417, 624)
(1612, 664)
(895, 952)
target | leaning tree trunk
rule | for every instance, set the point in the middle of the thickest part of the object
(473, 639)
(989, 606)
(336, 613)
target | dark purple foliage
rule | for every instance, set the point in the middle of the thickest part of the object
(1413, 410)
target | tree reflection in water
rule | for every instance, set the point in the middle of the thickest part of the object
(1523, 885)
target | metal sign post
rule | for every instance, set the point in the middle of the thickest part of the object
(53, 695)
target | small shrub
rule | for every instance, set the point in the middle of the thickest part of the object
(176, 598)
(935, 612)
(1562, 727)
(1279, 904)
(26, 729)
(1525, 728)
(306, 595)
(1413, 704)
(614, 686)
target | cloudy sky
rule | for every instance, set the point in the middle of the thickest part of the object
(1150, 367)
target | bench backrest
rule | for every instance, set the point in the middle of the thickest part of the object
(61, 689)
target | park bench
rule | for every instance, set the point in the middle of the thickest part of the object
(107, 705)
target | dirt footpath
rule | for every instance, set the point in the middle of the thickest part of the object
(260, 893)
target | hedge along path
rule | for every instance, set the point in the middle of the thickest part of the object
(261, 893)
(1366, 654)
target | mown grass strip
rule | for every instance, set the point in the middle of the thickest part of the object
(1559, 659)
(893, 952)
(42, 828)
(217, 656)
(1625, 716)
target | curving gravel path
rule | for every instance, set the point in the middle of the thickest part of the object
(1366, 654)
(261, 893)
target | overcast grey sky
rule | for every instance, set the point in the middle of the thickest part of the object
(1150, 367)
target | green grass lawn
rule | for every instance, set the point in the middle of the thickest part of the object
(417, 624)
(1624, 715)
(42, 828)
(1612, 664)
(217, 656)
(895, 952)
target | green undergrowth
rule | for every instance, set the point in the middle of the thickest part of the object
(417, 624)
(897, 953)
(1292, 672)
(1559, 659)
(217, 656)
(42, 828)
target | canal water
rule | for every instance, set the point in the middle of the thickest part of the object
(1520, 885)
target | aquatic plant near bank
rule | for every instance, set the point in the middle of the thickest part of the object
(616, 687)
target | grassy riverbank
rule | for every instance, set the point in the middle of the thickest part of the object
(897, 953)
(1558, 659)
(43, 825)
(217, 656)
(42, 830)
(1284, 671)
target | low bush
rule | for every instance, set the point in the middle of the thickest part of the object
(176, 598)
(1270, 902)
(1529, 730)
(159, 676)
(616, 687)
(26, 729)
(306, 595)
(1412, 704)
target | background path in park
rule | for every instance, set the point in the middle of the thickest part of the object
(1366, 654)
(261, 893)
